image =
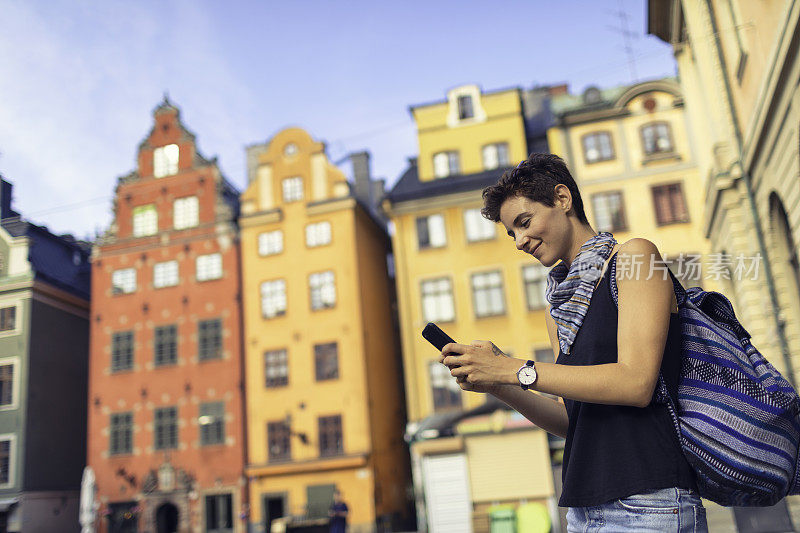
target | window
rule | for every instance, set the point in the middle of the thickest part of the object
(292, 189)
(145, 220)
(669, 204)
(276, 368)
(318, 234)
(278, 443)
(122, 351)
(185, 212)
(446, 392)
(477, 227)
(445, 164)
(487, 294)
(123, 281)
(209, 267)
(430, 232)
(330, 435)
(212, 423)
(437, 300)
(121, 433)
(656, 138)
(209, 339)
(219, 513)
(323, 290)
(609, 211)
(495, 156)
(270, 243)
(535, 279)
(8, 318)
(273, 298)
(597, 147)
(166, 428)
(5, 461)
(165, 160)
(165, 345)
(326, 359)
(165, 274)
(465, 107)
(6, 384)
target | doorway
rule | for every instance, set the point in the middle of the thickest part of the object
(167, 518)
(273, 506)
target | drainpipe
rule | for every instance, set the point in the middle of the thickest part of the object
(752, 201)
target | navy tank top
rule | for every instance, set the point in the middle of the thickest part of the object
(615, 451)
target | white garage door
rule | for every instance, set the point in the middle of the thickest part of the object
(447, 494)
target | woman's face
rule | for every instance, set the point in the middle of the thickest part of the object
(537, 229)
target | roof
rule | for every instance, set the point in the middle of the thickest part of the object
(59, 260)
(409, 187)
(444, 424)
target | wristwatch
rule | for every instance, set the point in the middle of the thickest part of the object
(527, 375)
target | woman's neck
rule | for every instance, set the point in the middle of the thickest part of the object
(581, 234)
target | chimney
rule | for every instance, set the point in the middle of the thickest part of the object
(361, 177)
(5, 199)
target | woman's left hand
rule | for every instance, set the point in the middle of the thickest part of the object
(480, 363)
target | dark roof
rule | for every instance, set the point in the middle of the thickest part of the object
(408, 187)
(53, 258)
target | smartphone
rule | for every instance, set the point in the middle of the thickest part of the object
(436, 336)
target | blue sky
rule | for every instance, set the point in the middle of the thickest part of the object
(79, 79)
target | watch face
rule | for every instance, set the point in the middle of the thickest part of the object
(527, 375)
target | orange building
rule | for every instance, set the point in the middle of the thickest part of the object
(166, 413)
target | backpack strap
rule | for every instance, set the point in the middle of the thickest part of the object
(680, 292)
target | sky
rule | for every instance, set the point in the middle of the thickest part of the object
(79, 79)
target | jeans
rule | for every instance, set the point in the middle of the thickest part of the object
(661, 510)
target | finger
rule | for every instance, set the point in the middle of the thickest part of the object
(455, 360)
(460, 371)
(454, 348)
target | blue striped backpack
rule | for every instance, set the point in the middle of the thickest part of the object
(737, 419)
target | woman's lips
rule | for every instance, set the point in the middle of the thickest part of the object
(536, 248)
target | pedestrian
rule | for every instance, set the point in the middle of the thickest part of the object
(623, 469)
(338, 513)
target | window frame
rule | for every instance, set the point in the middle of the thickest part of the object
(117, 290)
(158, 350)
(164, 284)
(481, 222)
(14, 362)
(605, 194)
(289, 189)
(527, 282)
(501, 163)
(18, 317)
(203, 340)
(657, 152)
(597, 134)
(437, 294)
(284, 433)
(168, 158)
(465, 112)
(208, 267)
(12, 453)
(440, 378)
(218, 422)
(312, 233)
(327, 426)
(115, 452)
(267, 247)
(427, 245)
(473, 277)
(195, 211)
(453, 163)
(320, 353)
(158, 426)
(318, 289)
(280, 311)
(280, 362)
(116, 368)
(143, 226)
(656, 209)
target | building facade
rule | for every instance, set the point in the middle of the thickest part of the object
(632, 154)
(738, 64)
(166, 404)
(44, 352)
(324, 377)
(460, 271)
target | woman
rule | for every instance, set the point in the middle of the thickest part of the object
(623, 468)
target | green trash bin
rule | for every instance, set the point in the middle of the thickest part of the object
(502, 519)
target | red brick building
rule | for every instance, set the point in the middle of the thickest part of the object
(166, 412)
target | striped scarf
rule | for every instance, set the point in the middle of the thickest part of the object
(570, 291)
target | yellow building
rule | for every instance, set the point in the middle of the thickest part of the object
(632, 156)
(460, 271)
(738, 65)
(323, 376)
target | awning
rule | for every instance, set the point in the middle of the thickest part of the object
(5, 504)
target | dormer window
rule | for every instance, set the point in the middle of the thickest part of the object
(165, 160)
(656, 138)
(465, 107)
(445, 164)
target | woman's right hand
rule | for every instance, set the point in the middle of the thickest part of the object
(476, 387)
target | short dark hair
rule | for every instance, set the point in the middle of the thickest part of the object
(535, 178)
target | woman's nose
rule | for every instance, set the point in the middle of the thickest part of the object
(522, 240)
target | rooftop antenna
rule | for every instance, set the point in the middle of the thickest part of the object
(627, 38)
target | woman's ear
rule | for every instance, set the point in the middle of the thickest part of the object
(563, 197)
